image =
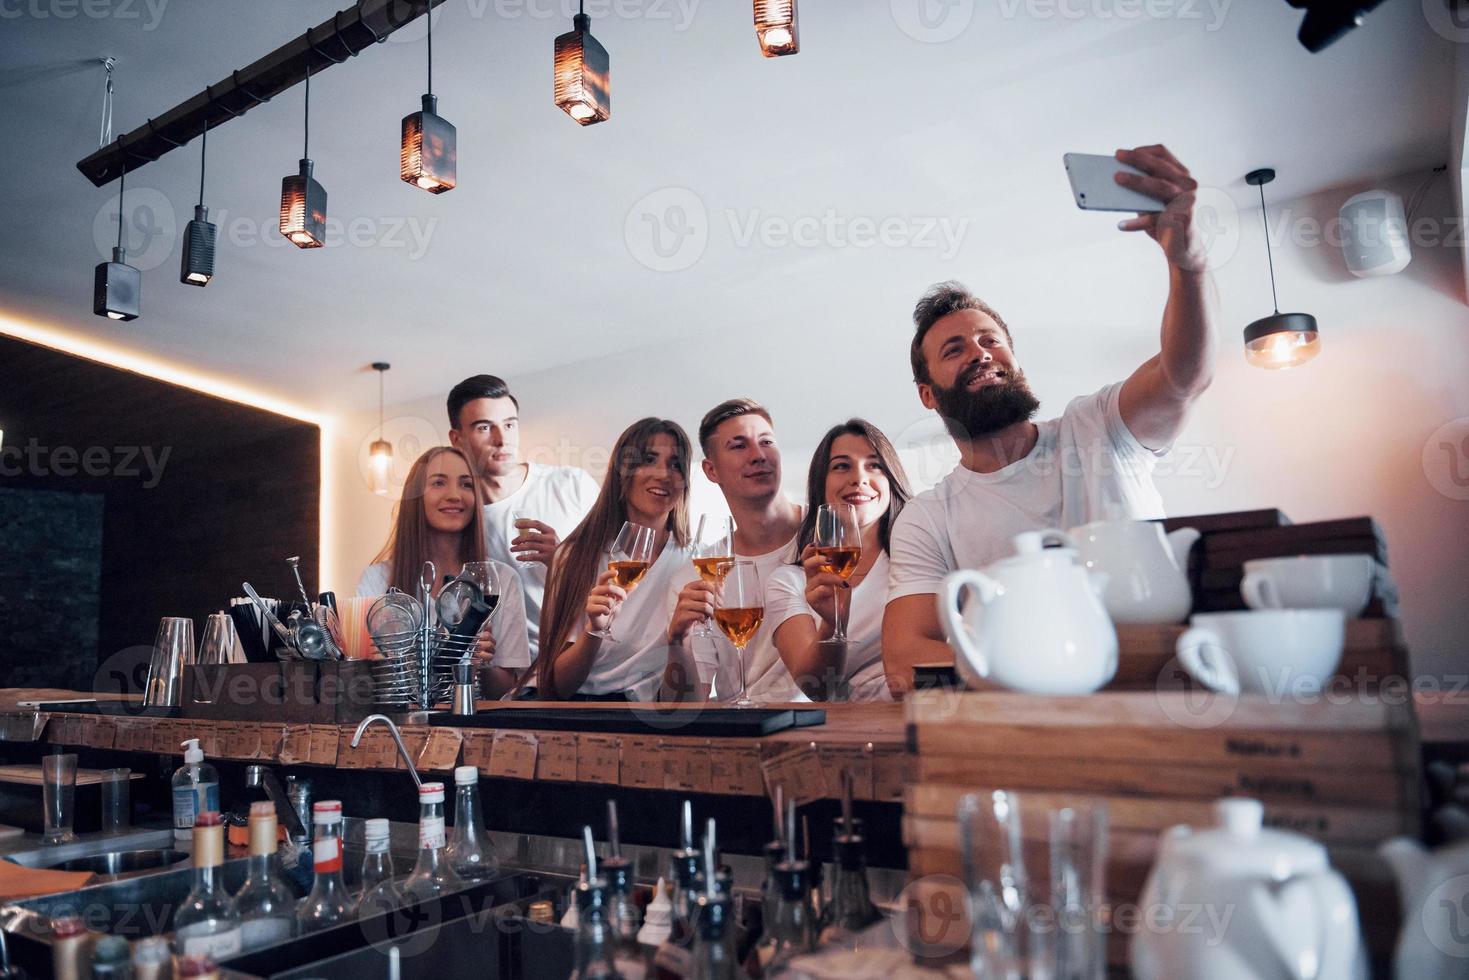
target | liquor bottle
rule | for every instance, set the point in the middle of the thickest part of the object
(791, 929)
(195, 967)
(712, 954)
(850, 909)
(595, 943)
(377, 892)
(267, 907)
(329, 903)
(151, 958)
(658, 921)
(110, 959)
(432, 875)
(207, 922)
(672, 958)
(470, 852)
(617, 870)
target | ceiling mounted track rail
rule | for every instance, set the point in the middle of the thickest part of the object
(331, 42)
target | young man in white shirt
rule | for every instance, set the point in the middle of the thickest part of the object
(741, 456)
(531, 507)
(1094, 462)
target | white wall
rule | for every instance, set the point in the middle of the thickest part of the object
(1340, 437)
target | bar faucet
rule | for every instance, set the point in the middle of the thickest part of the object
(397, 739)
(259, 777)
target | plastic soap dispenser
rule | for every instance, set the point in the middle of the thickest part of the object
(195, 791)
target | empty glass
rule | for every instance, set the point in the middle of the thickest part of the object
(1035, 868)
(220, 644)
(116, 799)
(172, 650)
(58, 792)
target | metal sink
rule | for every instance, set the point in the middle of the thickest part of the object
(117, 864)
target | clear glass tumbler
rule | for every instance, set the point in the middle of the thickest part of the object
(58, 791)
(116, 799)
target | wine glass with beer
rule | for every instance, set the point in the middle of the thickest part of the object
(630, 558)
(713, 555)
(739, 612)
(839, 543)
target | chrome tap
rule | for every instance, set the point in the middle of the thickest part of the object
(397, 739)
(259, 777)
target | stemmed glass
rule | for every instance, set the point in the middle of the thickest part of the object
(739, 612)
(484, 575)
(630, 558)
(713, 555)
(839, 543)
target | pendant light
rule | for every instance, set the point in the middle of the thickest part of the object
(583, 73)
(303, 200)
(380, 453)
(199, 235)
(776, 27)
(1281, 340)
(117, 287)
(429, 142)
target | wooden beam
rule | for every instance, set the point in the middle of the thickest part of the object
(346, 34)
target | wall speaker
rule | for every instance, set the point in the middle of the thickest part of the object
(1374, 233)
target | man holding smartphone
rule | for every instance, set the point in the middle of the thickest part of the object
(1094, 462)
(529, 507)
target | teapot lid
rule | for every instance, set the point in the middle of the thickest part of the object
(1238, 845)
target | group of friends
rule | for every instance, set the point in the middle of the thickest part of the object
(564, 628)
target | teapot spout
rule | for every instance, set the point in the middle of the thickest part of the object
(1181, 542)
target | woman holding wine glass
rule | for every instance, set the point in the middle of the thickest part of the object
(827, 610)
(611, 588)
(438, 520)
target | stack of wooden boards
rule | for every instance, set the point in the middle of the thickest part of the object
(1229, 540)
(1345, 774)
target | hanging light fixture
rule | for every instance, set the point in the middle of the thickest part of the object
(583, 73)
(1281, 340)
(303, 200)
(429, 149)
(380, 453)
(117, 288)
(776, 27)
(199, 235)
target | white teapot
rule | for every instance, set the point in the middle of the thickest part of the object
(1148, 569)
(1037, 624)
(1433, 891)
(1238, 902)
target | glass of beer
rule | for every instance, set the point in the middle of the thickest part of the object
(739, 613)
(630, 558)
(839, 543)
(713, 555)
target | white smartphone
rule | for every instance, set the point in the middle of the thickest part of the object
(1096, 189)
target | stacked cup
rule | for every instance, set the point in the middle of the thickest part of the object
(1289, 642)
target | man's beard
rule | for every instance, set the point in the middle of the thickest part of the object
(969, 415)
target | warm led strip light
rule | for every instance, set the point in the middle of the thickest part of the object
(195, 381)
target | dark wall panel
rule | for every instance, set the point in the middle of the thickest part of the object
(195, 494)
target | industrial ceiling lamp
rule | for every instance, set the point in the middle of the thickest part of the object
(380, 453)
(199, 235)
(303, 200)
(1281, 340)
(776, 27)
(429, 147)
(117, 287)
(583, 73)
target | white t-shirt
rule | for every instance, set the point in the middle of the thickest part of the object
(1086, 466)
(631, 661)
(556, 495)
(507, 622)
(785, 598)
(766, 677)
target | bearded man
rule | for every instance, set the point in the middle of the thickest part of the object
(1095, 462)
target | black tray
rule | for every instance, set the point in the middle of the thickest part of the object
(110, 708)
(695, 721)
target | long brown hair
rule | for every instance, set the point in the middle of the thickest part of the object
(899, 493)
(407, 544)
(579, 558)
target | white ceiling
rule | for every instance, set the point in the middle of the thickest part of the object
(534, 260)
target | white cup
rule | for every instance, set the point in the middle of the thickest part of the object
(1264, 651)
(1310, 582)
